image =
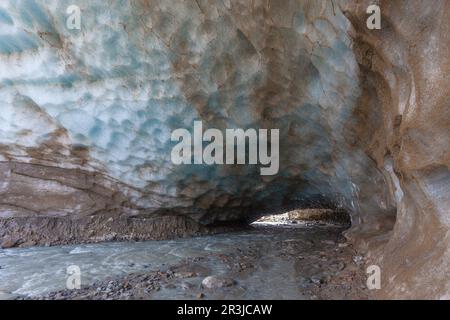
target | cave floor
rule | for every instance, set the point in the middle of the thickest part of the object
(291, 261)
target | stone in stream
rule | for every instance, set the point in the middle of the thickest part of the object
(8, 243)
(200, 295)
(339, 266)
(187, 286)
(358, 260)
(184, 274)
(214, 282)
(170, 286)
(318, 280)
(27, 244)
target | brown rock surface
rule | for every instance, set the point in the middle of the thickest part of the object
(404, 122)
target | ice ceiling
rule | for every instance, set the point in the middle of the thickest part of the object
(138, 70)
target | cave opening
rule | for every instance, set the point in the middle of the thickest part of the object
(305, 217)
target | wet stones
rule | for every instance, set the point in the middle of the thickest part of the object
(215, 282)
(200, 295)
(317, 280)
(8, 243)
(274, 263)
(358, 260)
(184, 274)
(185, 285)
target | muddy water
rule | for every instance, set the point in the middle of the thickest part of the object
(266, 262)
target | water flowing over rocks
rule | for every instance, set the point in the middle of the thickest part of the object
(86, 117)
(265, 262)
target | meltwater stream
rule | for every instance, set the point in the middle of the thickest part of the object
(283, 260)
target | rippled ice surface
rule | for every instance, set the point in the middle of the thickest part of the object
(38, 270)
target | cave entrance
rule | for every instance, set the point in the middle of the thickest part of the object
(305, 217)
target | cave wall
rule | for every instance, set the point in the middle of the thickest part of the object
(363, 118)
(404, 126)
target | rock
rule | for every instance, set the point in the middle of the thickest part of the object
(339, 266)
(29, 243)
(317, 280)
(358, 260)
(8, 243)
(187, 285)
(184, 274)
(170, 286)
(214, 282)
(200, 295)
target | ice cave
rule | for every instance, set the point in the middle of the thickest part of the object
(363, 117)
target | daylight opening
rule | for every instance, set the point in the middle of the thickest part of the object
(306, 217)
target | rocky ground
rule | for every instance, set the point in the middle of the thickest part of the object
(309, 261)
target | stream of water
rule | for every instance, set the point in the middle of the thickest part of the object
(282, 257)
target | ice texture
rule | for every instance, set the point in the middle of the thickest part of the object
(138, 70)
